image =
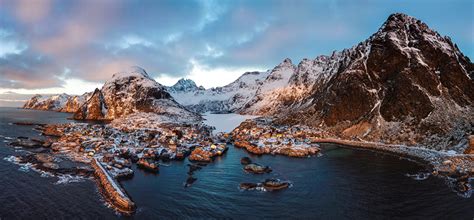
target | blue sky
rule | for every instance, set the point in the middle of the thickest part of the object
(49, 46)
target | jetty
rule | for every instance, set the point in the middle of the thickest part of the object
(113, 192)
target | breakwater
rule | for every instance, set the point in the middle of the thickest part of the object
(112, 190)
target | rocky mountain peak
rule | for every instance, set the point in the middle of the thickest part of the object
(132, 92)
(405, 77)
(400, 22)
(408, 32)
(185, 85)
(130, 80)
(286, 62)
(398, 19)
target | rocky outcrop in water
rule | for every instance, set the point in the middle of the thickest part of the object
(267, 185)
(257, 168)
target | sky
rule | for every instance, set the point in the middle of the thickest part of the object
(74, 46)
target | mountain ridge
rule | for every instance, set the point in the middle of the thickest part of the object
(405, 84)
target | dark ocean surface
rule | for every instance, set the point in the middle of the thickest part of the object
(343, 183)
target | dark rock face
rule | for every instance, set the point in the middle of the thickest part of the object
(27, 143)
(340, 105)
(403, 99)
(94, 109)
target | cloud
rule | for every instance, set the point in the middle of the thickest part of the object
(203, 75)
(9, 45)
(28, 70)
(32, 11)
(211, 42)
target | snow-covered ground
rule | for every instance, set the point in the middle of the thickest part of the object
(225, 122)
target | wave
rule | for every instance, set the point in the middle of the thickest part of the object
(65, 179)
(12, 159)
(419, 176)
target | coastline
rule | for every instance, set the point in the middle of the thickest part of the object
(442, 163)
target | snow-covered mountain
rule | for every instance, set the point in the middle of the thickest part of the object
(61, 102)
(185, 86)
(131, 92)
(228, 98)
(405, 84)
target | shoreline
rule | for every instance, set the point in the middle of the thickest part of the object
(442, 163)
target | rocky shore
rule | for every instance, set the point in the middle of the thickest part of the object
(107, 151)
(111, 149)
(207, 153)
(260, 137)
(263, 136)
(457, 168)
(447, 163)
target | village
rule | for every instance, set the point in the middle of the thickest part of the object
(261, 137)
(118, 149)
(112, 150)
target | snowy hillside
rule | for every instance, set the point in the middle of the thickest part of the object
(406, 84)
(130, 92)
(228, 98)
(62, 102)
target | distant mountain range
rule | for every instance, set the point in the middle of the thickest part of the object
(229, 98)
(406, 84)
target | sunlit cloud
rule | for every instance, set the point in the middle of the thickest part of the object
(210, 42)
(32, 11)
(71, 86)
(131, 40)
